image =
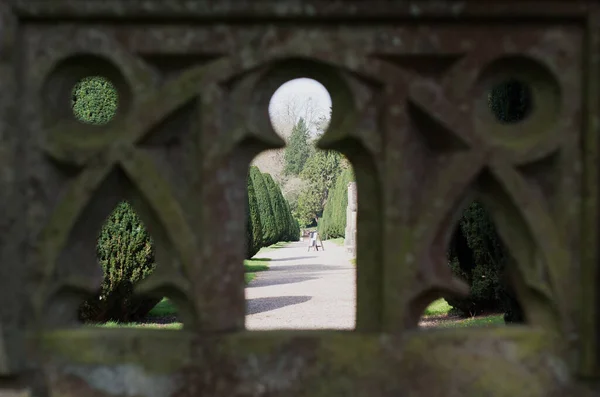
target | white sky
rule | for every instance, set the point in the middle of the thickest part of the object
(302, 89)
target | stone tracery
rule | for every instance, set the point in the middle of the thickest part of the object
(408, 86)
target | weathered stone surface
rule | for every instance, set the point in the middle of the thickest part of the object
(409, 82)
(351, 216)
(15, 393)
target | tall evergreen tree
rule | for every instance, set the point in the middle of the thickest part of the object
(254, 232)
(298, 149)
(333, 222)
(277, 206)
(320, 171)
(293, 230)
(126, 253)
(265, 208)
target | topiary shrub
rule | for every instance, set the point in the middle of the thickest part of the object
(333, 222)
(293, 232)
(126, 253)
(297, 229)
(289, 224)
(478, 256)
(254, 232)
(278, 207)
(95, 100)
(267, 218)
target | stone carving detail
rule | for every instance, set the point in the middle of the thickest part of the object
(409, 82)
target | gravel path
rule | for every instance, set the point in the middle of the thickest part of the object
(303, 290)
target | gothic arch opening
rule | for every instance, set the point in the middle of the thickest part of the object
(111, 239)
(477, 256)
(308, 282)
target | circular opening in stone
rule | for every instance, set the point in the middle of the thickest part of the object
(511, 101)
(300, 103)
(94, 100)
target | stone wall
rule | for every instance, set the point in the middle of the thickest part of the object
(351, 209)
(194, 86)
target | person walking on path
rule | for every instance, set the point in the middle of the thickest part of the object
(314, 241)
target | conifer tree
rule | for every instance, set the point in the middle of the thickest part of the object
(298, 149)
(254, 232)
(125, 251)
(333, 222)
(265, 208)
(277, 206)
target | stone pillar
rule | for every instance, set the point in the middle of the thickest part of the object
(351, 210)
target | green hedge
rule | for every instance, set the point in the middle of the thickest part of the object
(293, 231)
(279, 211)
(333, 222)
(254, 232)
(265, 209)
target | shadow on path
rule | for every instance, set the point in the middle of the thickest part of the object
(260, 305)
(304, 268)
(290, 274)
(269, 281)
(291, 258)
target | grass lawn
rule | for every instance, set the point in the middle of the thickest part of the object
(338, 241)
(165, 309)
(437, 308)
(254, 265)
(112, 324)
(165, 312)
(281, 244)
(437, 311)
(482, 321)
